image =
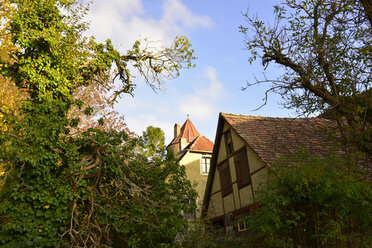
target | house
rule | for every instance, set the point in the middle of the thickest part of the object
(244, 148)
(194, 151)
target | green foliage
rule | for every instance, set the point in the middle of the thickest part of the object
(51, 50)
(64, 191)
(313, 202)
(95, 188)
(35, 198)
(153, 141)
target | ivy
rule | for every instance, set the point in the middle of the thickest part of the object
(63, 187)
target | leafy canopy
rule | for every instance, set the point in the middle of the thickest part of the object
(153, 140)
(312, 202)
(91, 187)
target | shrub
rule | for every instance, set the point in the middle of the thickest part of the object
(313, 202)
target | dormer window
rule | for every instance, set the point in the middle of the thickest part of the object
(205, 164)
(228, 143)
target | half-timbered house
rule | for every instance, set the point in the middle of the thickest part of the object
(244, 148)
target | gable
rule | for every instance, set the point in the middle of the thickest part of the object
(264, 139)
(219, 201)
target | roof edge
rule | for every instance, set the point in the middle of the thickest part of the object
(212, 170)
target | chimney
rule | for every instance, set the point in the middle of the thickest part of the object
(177, 130)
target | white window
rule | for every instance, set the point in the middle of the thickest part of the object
(242, 226)
(206, 162)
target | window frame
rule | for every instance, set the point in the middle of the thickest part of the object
(204, 158)
(242, 226)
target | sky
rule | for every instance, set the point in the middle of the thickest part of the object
(222, 66)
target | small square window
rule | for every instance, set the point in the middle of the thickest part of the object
(205, 164)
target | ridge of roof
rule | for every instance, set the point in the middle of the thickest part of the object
(254, 117)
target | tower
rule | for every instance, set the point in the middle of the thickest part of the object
(193, 151)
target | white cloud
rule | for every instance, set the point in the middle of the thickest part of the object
(215, 88)
(177, 13)
(201, 104)
(124, 21)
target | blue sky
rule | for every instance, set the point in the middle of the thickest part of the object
(222, 67)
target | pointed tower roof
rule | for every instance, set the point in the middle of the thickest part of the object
(188, 131)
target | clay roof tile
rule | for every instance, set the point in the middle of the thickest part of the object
(201, 143)
(272, 138)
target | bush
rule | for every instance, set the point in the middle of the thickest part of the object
(313, 202)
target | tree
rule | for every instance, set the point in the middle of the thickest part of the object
(91, 188)
(324, 47)
(153, 140)
(311, 202)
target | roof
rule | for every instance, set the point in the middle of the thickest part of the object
(187, 131)
(201, 143)
(272, 138)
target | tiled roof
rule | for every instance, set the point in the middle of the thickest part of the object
(272, 138)
(187, 131)
(201, 143)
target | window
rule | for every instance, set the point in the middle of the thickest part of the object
(242, 226)
(205, 164)
(243, 176)
(189, 215)
(225, 178)
(228, 143)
